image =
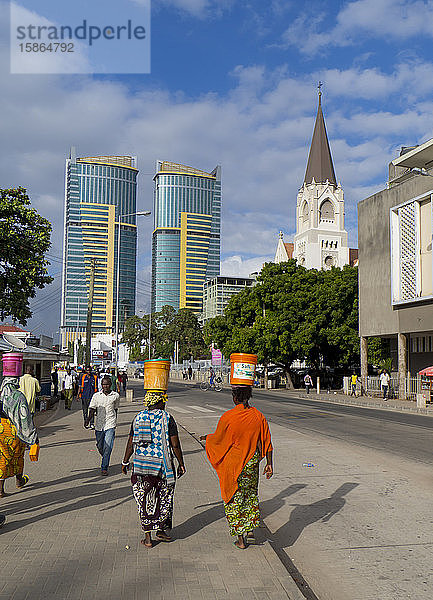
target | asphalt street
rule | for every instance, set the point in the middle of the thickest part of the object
(350, 502)
(405, 435)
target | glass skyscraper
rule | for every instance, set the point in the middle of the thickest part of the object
(98, 191)
(186, 237)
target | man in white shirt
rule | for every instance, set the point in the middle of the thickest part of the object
(68, 389)
(384, 383)
(105, 405)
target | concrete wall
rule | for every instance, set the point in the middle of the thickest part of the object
(377, 317)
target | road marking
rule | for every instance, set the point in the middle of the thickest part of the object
(181, 410)
(201, 409)
(218, 407)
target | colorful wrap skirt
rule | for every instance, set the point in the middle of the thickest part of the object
(242, 511)
(154, 498)
(11, 450)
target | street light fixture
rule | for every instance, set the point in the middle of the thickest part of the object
(140, 213)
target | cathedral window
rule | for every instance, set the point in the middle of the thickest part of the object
(327, 213)
(305, 213)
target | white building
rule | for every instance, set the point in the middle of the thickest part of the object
(321, 241)
(218, 291)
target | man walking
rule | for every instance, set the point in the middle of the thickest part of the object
(189, 372)
(30, 387)
(88, 386)
(55, 381)
(308, 382)
(353, 382)
(68, 389)
(384, 383)
(105, 404)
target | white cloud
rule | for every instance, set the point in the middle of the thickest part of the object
(241, 267)
(259, 132)
(390, 19)
(24, 62)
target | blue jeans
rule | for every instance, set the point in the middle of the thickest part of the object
(104, 443)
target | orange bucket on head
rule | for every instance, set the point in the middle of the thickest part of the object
(156, 374)
(243, 368)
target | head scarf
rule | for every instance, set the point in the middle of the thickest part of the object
(152, 397)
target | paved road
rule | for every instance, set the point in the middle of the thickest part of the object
(358, 523)
(404, 434)
(74, 535)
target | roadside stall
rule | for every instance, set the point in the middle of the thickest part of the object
(425, 387)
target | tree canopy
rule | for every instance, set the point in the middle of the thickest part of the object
(167, 327)
(293, 313)
(24, 240)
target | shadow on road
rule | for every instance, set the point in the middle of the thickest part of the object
(304, 515)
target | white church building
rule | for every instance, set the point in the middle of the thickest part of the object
(321, 241)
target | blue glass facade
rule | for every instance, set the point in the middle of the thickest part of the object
(182, 190)
(97, 191)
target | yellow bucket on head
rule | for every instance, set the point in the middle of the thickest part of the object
(156, 374)
(243, 367)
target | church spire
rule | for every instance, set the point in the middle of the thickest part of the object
(319, 166)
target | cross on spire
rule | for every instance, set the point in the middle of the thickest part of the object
(319, 87)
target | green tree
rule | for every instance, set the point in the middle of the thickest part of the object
(24, 240)
(293, 313)
(167, 327)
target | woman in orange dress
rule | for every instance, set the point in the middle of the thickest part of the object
(241, 440)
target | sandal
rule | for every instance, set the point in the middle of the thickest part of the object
(163, 537)
(25, 479)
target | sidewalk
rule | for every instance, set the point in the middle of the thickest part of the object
(73, 535)
(336, 397)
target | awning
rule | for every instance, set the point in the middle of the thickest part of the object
(427, 371)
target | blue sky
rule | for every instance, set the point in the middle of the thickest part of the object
(232, 83)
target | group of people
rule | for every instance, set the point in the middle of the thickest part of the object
(240, 441)
(82, 384)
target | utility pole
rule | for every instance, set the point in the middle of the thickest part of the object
(89, 313)
(148, 340)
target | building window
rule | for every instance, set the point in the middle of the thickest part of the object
(411, 250)
(327, 213)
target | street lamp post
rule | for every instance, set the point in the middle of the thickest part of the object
(141, 213)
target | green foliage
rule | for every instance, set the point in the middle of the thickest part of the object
(24, 240)
(379, 353)
(168, 326)
(293, 313)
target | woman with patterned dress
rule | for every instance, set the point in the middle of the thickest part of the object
(240, 441)
(17, 431)
(153, 439)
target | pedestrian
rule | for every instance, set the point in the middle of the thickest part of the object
(241, 440)
(353, 382)
(308, 382)
(153, 439)
(75, 382)
(104, 405)
(115, 387)
(68, 389)
(55, 381)
(124, 380)
(88, 386)
(189, 372)
(17, 431)
(384, 383)
(30, 387)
